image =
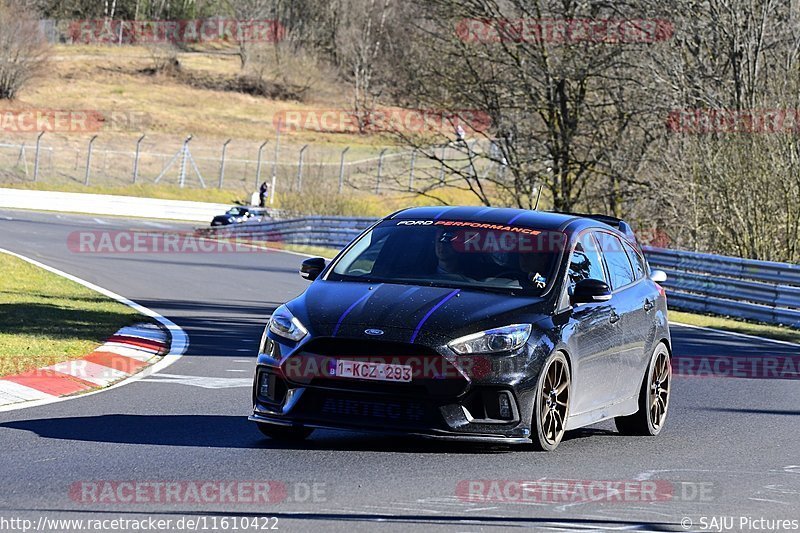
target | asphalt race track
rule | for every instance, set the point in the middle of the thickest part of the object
(731, 448)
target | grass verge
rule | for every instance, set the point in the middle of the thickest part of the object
(46, 319)
(738, 326)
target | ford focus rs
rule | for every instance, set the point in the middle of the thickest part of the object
(485, 324)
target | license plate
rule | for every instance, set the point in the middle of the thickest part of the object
(372, 371)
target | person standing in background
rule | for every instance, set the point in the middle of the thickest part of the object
(263, 192)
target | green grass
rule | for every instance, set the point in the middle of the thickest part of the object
(46, 319)
(738, 326)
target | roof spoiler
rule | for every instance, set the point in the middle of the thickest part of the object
(614, 222)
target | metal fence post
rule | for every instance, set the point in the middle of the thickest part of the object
(184, 157)
(222, 163)
(275, 163)
(36, 157)
(300, 168)
(258, 164)
(136, 159)
(411, 173)
(89, 161)
(380, 171)
(23, 159)
(341, 169)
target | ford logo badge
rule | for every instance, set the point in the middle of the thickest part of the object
(373, 331)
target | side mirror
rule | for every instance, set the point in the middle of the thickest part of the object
(659, 276)
(312, 268)
(590, 291)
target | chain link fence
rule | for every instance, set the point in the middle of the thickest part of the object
(235, 165)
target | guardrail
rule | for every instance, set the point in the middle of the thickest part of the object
(744, 288)
(754, 290)
(329, 232)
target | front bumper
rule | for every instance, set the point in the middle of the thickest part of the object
(491, 401)
(430, 434)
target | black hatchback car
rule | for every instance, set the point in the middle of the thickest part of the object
(486, 324)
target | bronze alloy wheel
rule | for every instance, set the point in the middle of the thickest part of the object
(653, 398)
(659, 389)
(552, 403)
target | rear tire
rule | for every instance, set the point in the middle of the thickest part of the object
(654, 396)
(551, 406)
(285, 434)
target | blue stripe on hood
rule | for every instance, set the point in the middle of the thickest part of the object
(352, 306)
(429, 313)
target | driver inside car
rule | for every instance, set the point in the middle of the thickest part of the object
(449, 259)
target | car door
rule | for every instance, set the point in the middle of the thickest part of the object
(646, 296)
(593, 334)
(628, 297)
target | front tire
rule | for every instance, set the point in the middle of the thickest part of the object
(551, 408)
(654, 395)
(285, 434)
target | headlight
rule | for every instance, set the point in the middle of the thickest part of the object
(505, 339)
(285, 325)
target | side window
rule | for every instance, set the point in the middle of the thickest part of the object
(585, 262)
(619, 267)
(365, 254)
(639, 266)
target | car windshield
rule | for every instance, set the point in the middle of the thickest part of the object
(454, 254)
(237, 211)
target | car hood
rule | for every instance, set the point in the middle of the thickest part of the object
(408, 313)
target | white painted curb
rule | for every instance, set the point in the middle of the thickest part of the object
(178, 346)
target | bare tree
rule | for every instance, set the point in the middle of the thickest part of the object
(561, 111)
(361, 38)
(248, 12)
(23, 49)
(731, 161)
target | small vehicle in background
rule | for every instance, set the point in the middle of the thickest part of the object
(241, 214)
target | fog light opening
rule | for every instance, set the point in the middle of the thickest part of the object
(264, 387)
(505, 407)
